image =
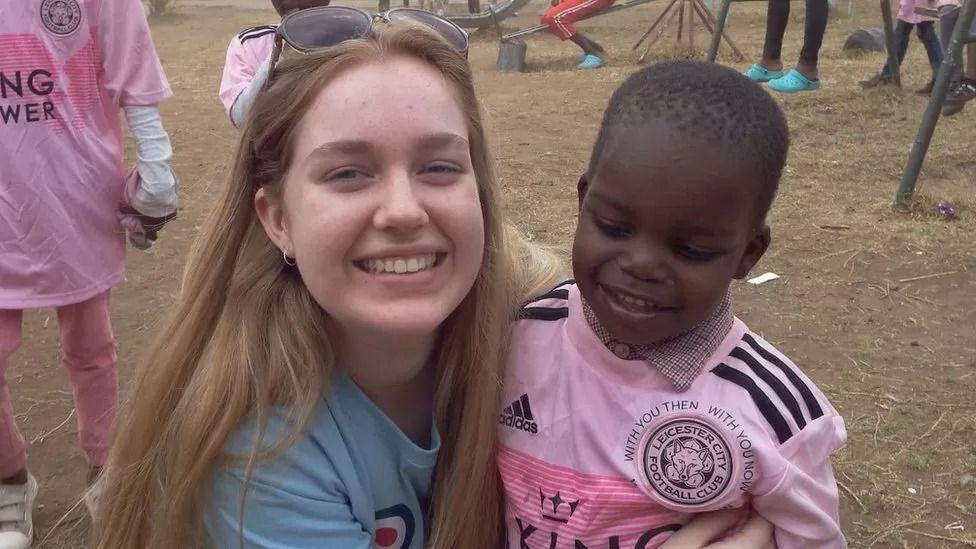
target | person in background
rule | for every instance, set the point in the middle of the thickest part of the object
(247, 59)
(560, 18)
(962, 88)
(71, 70)
(805, 75)
(925, 30)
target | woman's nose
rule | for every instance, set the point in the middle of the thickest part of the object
(401, 208)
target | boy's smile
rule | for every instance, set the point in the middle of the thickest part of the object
(664, 227)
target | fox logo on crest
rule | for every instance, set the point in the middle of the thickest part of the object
(687, 464)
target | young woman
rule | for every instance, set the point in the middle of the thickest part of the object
(363, 259)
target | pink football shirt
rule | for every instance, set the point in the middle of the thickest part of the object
(597, 451)
(66, 68)
(245, 54)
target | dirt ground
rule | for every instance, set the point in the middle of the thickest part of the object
(878, 307)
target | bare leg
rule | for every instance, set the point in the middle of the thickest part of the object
(586, 44)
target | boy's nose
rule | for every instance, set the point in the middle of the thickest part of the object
(645, 264)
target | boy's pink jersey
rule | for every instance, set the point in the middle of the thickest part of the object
(66, 68)
(245, 54)
(603, 452)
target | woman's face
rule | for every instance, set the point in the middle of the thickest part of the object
(380, 205)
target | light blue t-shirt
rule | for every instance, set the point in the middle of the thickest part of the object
(352, 480)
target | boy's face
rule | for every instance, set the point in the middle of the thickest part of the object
(285, 6)
(664, 227)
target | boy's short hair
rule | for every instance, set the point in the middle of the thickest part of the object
(712, 103)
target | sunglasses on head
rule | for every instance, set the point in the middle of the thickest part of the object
(323, 27)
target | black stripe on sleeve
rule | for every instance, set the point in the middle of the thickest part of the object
(811, 401)
(257, 35)
(781, 391)
(558, 293)
(244, 33)
(543, 313)
(766, 407)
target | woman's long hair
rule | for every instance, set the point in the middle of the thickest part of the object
(245, 335)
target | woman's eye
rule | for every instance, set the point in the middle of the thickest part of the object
(345, 174)
(697, 254)
(440, 173)
(612, 229)
(442, 168)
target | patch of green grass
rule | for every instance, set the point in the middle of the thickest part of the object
(919, 460)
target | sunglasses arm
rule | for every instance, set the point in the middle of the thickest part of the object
(275, 55)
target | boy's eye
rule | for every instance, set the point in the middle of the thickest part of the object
(611, 229)
(697, 254)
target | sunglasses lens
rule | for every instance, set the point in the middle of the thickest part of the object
(451, 32)
(324, 27)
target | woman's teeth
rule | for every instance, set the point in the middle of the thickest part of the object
(400, 265)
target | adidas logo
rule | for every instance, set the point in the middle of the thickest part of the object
(518, 415)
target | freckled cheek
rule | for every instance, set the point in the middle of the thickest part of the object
(327, 234)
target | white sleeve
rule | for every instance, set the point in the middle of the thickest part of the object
(156, 195)
(238, 112)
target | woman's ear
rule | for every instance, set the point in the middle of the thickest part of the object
(754, 251)
(272, 215)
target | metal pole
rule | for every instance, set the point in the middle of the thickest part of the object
(720, 18)
(960, 36)
(893, 64)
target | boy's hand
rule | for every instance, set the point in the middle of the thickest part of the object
(152, 225)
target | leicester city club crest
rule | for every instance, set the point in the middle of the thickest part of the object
(61, 17)
(685, 461)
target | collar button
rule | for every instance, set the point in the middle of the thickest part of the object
(622, 350)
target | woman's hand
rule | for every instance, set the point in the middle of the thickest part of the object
(756, 533)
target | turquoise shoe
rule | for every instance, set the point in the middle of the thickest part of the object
(759, 73)
(591, 61)
(794, 82)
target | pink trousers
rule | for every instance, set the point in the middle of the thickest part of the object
(88, 353)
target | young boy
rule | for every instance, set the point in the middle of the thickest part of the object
(247, 61)
(634, 397)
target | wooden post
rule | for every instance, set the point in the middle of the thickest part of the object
(720, 18)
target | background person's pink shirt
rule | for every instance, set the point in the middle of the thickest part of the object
(245, 53)
(66, 69)
(597, 451)
(906, 11)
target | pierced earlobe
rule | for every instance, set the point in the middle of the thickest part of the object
(288, 260)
